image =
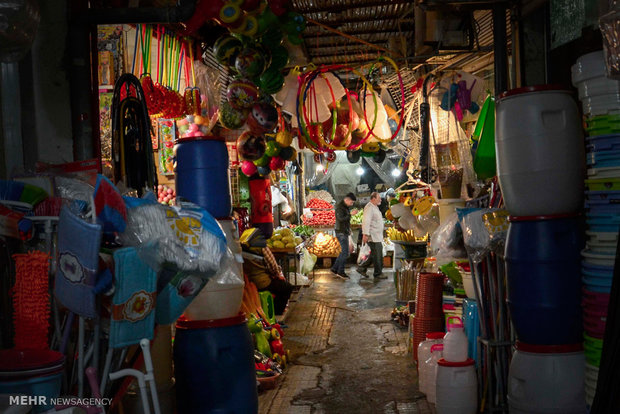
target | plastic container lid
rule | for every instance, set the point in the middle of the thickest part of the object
(28, 359)
(468, 362)
(537, 88)
(212, 323)
(435, 335)
(538, 218)
(588, 66)
(549, 349)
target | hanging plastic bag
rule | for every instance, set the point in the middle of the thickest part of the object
(352, 245)
(308, 260)
(484, 230)
(363, 254)
(447, 241)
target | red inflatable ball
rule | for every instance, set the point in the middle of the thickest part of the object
(276, 164)
(248, 168)
(250, 147)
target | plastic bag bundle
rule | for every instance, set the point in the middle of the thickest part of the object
(447, 241)
(187, 237)
(308, 260)
(484, 229)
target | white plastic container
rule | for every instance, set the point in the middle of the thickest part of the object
(215, 301)
(547, 379)
(455, 342)
(540, 151)
(457, 387)
(447, 207)
(424, 353)
(430, 370)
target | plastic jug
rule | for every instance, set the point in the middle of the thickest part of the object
(424, 353)
(455, 342)
(430, 372)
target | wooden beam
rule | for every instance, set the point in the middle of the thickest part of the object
(353, 38)
(390, 30)
(338, 7)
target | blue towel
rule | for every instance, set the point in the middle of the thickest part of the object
(133, 316)
(78, 262)
(176, 294)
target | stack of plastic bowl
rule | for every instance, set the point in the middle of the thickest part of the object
(600, 99)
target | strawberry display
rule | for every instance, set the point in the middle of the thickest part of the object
(318, 203)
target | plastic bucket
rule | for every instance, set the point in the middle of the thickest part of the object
(543, 277)
(214, 367)
(32, 372)
(547, 379)
(202, 175)
(540, 151)
(456, 387)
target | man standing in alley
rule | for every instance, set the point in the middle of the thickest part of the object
(343, 230)
(372, 233)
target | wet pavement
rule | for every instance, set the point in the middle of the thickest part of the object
(347, 355)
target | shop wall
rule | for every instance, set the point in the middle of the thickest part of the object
(47, 117)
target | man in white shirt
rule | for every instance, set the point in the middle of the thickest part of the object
(372, 233)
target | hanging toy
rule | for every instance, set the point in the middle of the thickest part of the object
(232, 118)
(262, 118)
(250, 147)
(272, 149)
(250, 63)
(242, 94)
(331, 156)
(288, 153)
(192, 101)
(263, 161)
(276, 164)
(226, 49)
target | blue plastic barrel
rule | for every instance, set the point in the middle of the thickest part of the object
(202, 175)
(214, 367)
(543, 271)
(47, 386)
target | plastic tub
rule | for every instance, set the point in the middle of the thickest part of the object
(547, 380)
(597, 259)
(612, 196)
(214, 367)
(604, 124)
(606, 172)
(540, 152)
(599, 159)
(602, 241)
(41, 386)
(456, 390)
(601, 104)
(605, 184)
(543, 277)
(588, 66)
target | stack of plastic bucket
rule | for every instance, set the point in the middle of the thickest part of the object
(541, 168)
(600, 100)
(32, 372)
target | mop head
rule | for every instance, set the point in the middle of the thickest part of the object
(31, 301)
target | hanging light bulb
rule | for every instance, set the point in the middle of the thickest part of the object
(320, 167)
(395, 172)
(360, 171)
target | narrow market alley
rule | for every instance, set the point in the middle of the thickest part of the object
(348, 357)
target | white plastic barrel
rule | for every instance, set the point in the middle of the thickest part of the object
(457, 387)
(424, 353)
(221, 298)
(547, 379)
(540, 151)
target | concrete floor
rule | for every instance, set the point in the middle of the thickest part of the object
(348, 357)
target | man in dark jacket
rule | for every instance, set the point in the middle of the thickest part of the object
(343, 230)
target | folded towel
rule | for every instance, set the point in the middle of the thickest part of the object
(177, 294)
